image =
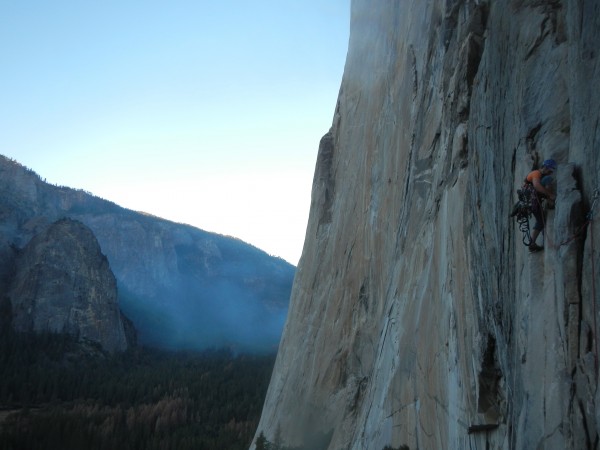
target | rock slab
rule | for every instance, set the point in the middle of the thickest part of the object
(63, 284)
(418, 318)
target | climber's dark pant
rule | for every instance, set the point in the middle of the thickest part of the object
(536, 204)
(536, 209)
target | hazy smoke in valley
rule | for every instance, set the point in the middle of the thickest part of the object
(210, 313)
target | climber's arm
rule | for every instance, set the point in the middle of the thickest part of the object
(540, 188)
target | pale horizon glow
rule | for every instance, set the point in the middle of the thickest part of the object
(203, 113)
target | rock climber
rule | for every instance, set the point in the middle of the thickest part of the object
(540, 180)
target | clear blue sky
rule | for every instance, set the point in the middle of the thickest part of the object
(202, 112)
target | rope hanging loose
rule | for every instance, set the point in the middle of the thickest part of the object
(523, 222)
(590, 218)
(590, 215)
(579, 231)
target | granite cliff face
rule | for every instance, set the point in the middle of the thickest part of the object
(63, 283)
(182, 287)
(418, 318)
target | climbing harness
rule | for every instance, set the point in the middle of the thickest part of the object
(522, 211)
(528, 200)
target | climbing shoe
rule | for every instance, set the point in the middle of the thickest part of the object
(535, 248)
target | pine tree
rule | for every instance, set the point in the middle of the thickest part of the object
(262, 443)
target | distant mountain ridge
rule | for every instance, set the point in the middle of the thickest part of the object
(182, 287)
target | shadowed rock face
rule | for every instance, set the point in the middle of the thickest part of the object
(417, 314)
(63, 283)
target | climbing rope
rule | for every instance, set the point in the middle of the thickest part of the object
(588, 220)
(576, 234)
(523, 222)
(590, 217)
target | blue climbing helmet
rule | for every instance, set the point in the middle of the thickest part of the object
(550, 164)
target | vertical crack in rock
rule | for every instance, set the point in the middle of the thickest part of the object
(450, 21)
(588, 441)
(552, 25)
(474, 51)
(406, 194)
(477, 27)
(324, 184)
(569, 219)
(490, 399)
(466, 45)
(531, 143)
(415, 73)
(363, 296)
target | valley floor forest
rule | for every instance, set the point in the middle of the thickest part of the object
(56, 394)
